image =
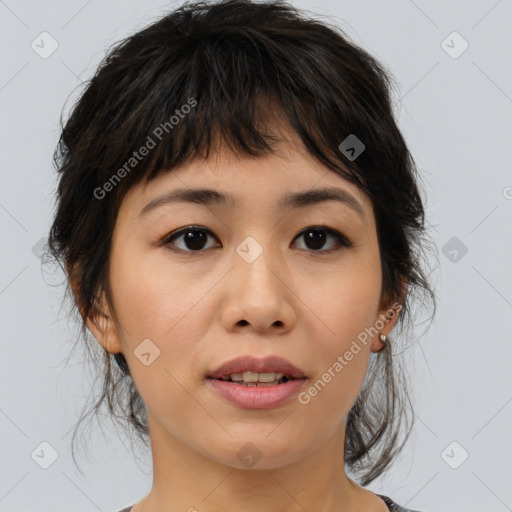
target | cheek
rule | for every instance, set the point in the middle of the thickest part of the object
(346, 306)
(153, 298)
(157, 303)
(345, 301)
(158, 316)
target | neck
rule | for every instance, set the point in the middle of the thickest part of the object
(184, 479)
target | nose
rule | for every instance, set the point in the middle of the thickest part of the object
(259, 295)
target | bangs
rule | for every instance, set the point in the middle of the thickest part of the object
(178, 101)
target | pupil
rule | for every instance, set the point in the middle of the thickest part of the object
(316, 238)
(195, 239)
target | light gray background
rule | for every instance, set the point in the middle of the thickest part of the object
(456, 116)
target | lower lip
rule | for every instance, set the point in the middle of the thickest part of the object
(257, 397)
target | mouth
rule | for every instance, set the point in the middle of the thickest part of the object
(250, 383)
(251, 371)
(256, 379)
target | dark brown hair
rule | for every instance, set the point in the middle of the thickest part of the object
(230, 61)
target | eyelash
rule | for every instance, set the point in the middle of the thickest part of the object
(342, 240)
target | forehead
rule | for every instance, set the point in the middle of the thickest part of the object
(289, 177)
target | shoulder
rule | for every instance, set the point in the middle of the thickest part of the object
(394, 507)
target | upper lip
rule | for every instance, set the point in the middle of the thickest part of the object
(252, 364)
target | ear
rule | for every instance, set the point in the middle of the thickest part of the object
(388, 314)
(102, 326)
(100, 320)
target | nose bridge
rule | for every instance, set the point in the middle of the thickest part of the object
(258, 260)
(257, 294)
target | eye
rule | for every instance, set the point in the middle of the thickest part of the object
(315, 237)
(194, 239)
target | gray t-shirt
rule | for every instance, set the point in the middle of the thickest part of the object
(392, 506)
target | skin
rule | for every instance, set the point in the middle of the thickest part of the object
(298, 302)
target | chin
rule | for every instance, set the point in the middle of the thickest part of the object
(257, 452)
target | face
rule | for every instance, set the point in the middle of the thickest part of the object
(301, 282)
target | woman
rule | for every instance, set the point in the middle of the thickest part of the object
(239, 219)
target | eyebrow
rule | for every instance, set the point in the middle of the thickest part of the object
(205, 196)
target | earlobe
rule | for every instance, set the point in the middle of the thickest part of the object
(103, 328)
(386, 321)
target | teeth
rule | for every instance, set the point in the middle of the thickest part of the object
(253, 377)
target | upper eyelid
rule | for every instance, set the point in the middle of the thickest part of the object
(330, 230)
(184, 229)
